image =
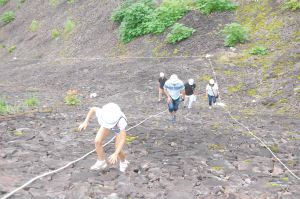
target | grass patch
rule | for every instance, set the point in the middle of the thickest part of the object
(234, 34)
(31, 102)
(34, 26)
(71, 1)
(6, 108)
(292, 5)
(216, 168)
(216, 147)
(69, 27)
(55, 33)
(72, 98)
(248, 161)
(130, 138)
(53, 3)
(252, 92)
(208, 6)
(234, 89)
(258, 50)
(284, 179)
(12, 48)
(178, 33)
(274, 148)
(18, 133)
(3, 2)
(273, 184)
(8, 16)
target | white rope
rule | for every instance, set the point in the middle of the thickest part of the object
(247, 128)
(73, 162)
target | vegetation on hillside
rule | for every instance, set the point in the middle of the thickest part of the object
(179, 32)
(8, 16)
(209, 6)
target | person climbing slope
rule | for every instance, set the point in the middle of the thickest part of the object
(212, 92)
(189, 96)
(173, 88)
(111, 118)
(161, 82)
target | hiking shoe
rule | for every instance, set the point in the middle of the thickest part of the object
(99, 165)
(209, 107)
(123, 165)
(174, 119)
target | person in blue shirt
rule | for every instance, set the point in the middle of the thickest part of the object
(173, 87)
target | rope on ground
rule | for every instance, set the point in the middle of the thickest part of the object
(250, 132)
(73, 162)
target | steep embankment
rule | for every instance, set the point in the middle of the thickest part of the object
(204, 155)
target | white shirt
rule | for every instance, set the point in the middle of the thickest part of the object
(212, 90)
(121, 125)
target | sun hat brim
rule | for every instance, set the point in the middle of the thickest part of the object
(106, 121)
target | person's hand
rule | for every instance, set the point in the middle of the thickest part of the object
(113, 158)
(83, 126)
(169, 100)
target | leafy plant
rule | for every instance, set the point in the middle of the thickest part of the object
(34, 26)
(209, 6)
(31, 102)
(292, 5)
(53, 3)
(258, 50)
(234, 34)
(119, 14)
(12, 49)
(179, 32)
(166, 15)
(8, 17)
(72, 99)
(69, 26)
(3, 2)
(2, 106)
(6, 109)
(55, 33)
(71, 1)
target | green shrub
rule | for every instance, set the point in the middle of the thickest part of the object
(258, 50)
(179, 32)
(3, 2)
(119, 14)
(12, 48)
(166, 15)
(34, 26)
(53, 3)
(8, 17)
(55, 33)
(69, 26)
(292, 5)
(71, 1)
(234, 34)
(2, 106)
(31, 102)
(6, 109)
(72, 99)
(209, 6)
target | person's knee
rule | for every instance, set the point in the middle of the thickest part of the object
(98, 142)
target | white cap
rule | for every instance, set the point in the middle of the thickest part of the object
(109, 115)
(211, 81)
(174, 79)
(161, 74)
(191, 82)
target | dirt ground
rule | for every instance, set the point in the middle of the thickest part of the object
(204, 155)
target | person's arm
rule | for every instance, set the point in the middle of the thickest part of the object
(91, 112)
(114, 157)
(206, 91)
(167, 94)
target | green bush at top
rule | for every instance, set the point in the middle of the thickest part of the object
(292, 5)
(209, 6)
(8, 17)
(258, 50)
(166, 15)
(69, 26)
(179, 32)
(138, 18)
(234, 34)
(3, 2)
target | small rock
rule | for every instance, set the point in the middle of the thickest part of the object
(93, 95)
(173, 144)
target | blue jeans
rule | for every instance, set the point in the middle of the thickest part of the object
(211, 99)
(173, 105)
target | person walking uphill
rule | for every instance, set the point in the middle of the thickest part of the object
(111, 118)
(189, 96)
(212, 92)
(161, 82)
(173, 88)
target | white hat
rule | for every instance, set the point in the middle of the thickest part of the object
(109, 115)
(161, 74)
(211, 81)
(174, 79)
(191, 82)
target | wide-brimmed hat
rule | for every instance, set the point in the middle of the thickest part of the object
(191, 82)
(211, 81)
(174, 79)
(161, 74)
(109, 115)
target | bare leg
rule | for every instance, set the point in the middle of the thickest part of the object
(121, 155)
(100, 137)
(159, 93)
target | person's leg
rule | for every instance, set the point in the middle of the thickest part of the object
(176, 105)
(186, 99)
(210, 100)
(214, 99)
(159, 93)
(100, 137)
(121, 155)
(191, 99)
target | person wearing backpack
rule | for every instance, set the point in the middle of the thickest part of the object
(212, 92)
(111, 118)
(189, 96)
(161, 82)
(173, 88)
